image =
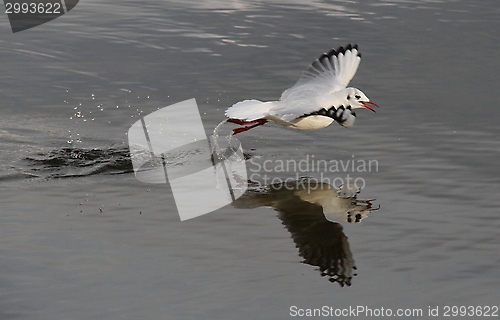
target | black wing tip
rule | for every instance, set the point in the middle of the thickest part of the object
(341, 49)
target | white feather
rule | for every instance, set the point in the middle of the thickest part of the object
(249, 110)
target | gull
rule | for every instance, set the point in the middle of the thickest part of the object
(319, 98)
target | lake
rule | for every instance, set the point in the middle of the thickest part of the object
(82, 238)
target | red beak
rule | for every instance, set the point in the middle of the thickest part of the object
(367, 105)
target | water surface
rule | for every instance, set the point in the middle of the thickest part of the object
(82, 238)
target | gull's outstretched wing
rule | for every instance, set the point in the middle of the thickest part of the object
(328, 74)
(331, 72)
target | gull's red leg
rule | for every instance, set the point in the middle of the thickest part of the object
(257, 123)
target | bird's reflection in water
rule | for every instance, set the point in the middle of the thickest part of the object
(312, 213)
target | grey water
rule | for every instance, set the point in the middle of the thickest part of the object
(82, 238)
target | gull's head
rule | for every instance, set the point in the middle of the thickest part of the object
(357, 99)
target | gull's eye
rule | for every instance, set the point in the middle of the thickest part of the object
(357, 96)
(348, 97)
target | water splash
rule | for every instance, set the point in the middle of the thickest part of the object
(217, 150)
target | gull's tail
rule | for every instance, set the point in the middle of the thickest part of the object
(249, 110)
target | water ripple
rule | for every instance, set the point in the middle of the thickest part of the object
(75, 162)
